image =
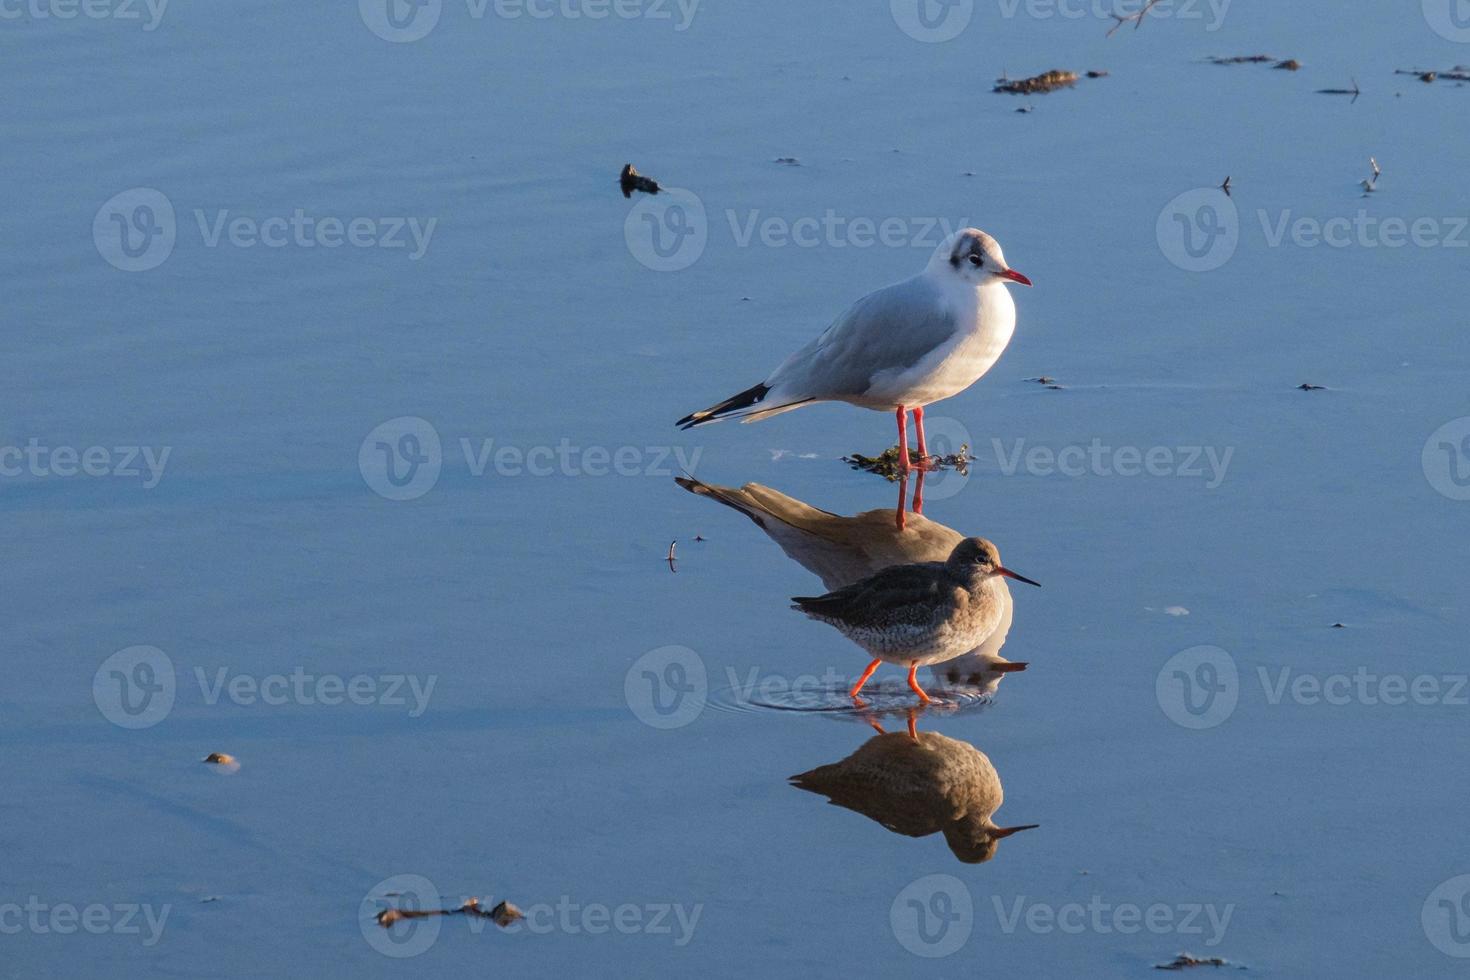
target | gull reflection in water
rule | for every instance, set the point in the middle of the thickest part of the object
(920, 783)
(842, 550)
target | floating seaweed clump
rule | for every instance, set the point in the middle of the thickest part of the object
(885, 464)
(1048, 81)
(1184, 960)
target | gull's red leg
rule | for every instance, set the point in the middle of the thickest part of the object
(919, 493)
(903, 441)
(864, 679)
(903, 489)
(924, 460)
(914, 683)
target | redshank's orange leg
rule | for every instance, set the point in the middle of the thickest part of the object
(877, 728)
(914, 683)
(872, 667)
(913, 728)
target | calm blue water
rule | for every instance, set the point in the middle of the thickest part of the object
(493, 624)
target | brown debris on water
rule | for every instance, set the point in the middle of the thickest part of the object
(886, 465)
(1184, 960)
(631, 180)
(1244, 59)
(224, 762)
(1041, 84)
(502, 914)
(1459, 73)
(1290, 64)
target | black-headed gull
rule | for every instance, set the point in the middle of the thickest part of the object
(900, 348)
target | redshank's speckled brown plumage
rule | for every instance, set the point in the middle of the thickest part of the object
(919, 614)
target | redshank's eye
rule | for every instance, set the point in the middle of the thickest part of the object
(976, 260)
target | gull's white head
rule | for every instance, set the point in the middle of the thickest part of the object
(975, 257)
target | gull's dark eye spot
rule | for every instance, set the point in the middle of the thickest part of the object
(976, 260)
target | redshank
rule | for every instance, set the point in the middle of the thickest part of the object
(842, 550)
(900, 348)
(920, 614)
(917, 785)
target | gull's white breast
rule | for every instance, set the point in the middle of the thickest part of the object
(986, 319)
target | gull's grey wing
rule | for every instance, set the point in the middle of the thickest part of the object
(885, 331)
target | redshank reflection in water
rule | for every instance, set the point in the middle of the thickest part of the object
(920, 783)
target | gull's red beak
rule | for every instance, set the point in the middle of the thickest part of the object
(1015, 276)
(1019, 578)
